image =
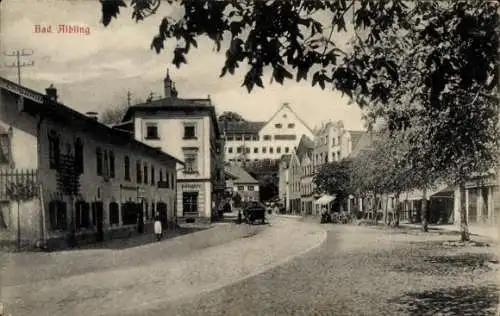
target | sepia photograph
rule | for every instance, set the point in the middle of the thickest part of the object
(249, 157)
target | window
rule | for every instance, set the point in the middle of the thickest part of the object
(278, 150)
(190, 202)
(333, 141)
(333, 156)
(238, 150)
(255, 137)
(145, 174)
(264, 150)
(255, 150)
(105, 169)
(167, 179)
(291, 125)
(241, 188)
(172, 180)
(191, 161)
(57, 215)
(189, 131)
(114, 218)
(111, 164)
(287, 150)
(78, 155)
(278, 125)
(82, 214)
(285, 137)
(338, 140)
(161, 175)
(271, 150)
(250, 188)
(152, 131)
(126, 165)
(238, 137)
(247, 150)
(230, 138)
(138, 171)
(152, 175)
(98, 156)
(54, 150)
(338, 155)
(267, 137)
(247, 137)
(230, 150)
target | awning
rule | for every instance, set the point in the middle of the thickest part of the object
(325, 199)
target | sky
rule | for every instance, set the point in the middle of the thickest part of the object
(93, 72)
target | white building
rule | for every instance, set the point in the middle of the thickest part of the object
(332, 142)
(251, 141)
(83, 179)
(188, 129)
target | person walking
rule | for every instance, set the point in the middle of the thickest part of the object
(158, 228)
(276, 209)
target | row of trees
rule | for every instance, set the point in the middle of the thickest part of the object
(392, 165)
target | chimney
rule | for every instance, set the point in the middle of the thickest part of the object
(51, 93)
(92, 115)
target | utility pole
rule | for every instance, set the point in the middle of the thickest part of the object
(18, 64)
(129, 97)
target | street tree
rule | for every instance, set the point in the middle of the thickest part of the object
(230, 116)
(113, 115)
(334, 178)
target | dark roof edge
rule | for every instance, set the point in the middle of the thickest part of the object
(119, 133)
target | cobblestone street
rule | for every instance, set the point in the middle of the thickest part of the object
(363, 271)
(103, 282)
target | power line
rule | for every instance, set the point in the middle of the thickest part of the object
(18, 54)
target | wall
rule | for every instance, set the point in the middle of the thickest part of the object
(30, 221)
(24, 132)
(245, 193)
(94, 187)
(171, 132)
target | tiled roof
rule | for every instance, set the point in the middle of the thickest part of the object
(241, 127)
(175, 104)
(242, 177)
(60, 111)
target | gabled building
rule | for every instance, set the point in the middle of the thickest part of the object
(249, 141)
(80, 181)
(243, 183)
(188, 129)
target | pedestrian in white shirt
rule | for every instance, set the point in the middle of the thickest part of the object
(158, 228)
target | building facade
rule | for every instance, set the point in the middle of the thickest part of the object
(305, 157)
(188, 129)
(88, 183)
(243, 183)
(247, 141)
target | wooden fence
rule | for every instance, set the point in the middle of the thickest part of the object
(17, 183)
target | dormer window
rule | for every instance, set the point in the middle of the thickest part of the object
(278, 125)
(291, 125)
(152, 131)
